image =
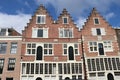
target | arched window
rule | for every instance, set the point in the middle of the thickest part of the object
(67, 78)
(39, 78)
(39, 54)
(110, 76)
(71, 53)
(101, 49)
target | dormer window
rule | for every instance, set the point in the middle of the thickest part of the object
(2, 32)
(65, 20)
(96, 21)
(41, 19)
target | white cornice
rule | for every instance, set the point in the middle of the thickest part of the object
(10, 38)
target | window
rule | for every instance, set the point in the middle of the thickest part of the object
(65, 20)
(108, 45)
(41, 19)
(76, 48)
(65, 49)
(96, 21)
(1, 65)
(13, 48)
(2, 32)
(101, 74)
(31, 48)
(93, 46)
(40, 32)
(98, 31)
(9, 78)
(11, 64)
(3, 48)
(66, 33)
(48, 49)
(92, 74)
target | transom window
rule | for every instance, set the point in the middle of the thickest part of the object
(40, 32)
(65, 20)
(31, 48)
(100, 64)
(41, 19)
(13, 48)
(48, 49)
(3, 48)
(66, 33)
(11, 64)
(65, 49)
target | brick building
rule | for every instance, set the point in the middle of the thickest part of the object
(101, 50)
(51, 50)
(58, 50)
(10, 54)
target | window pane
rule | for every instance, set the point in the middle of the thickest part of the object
(1, 65)
(11, 64)
(98, 31)
(96, 21)
(65, 20)
(40, 33)
(3, 48)
(13, 48)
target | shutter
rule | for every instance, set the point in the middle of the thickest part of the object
(45, 33)
(102, 31)
(34, 33)
(94, 31)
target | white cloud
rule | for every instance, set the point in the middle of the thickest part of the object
(18, 22)
(80, 22)
(109, 15)
(77, 7)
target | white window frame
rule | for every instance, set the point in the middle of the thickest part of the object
(35, 32)
(63, 20)
(13, 49)
(43, 19)
(93, 46)
(68, 45)
(30, 48)
(48, 48)
(94, 31)
(68, 35)
(3, 45)
(108, 46)
(98, 20)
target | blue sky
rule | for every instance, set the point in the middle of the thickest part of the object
(16, 13)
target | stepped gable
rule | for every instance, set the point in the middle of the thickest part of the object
(32, 22)
(65, 14)
(91, 24)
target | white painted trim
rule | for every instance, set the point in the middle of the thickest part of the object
(10, 38)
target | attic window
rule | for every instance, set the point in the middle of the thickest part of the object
(2, 32)
(96, 20)
(41, 19)
(65, 20)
